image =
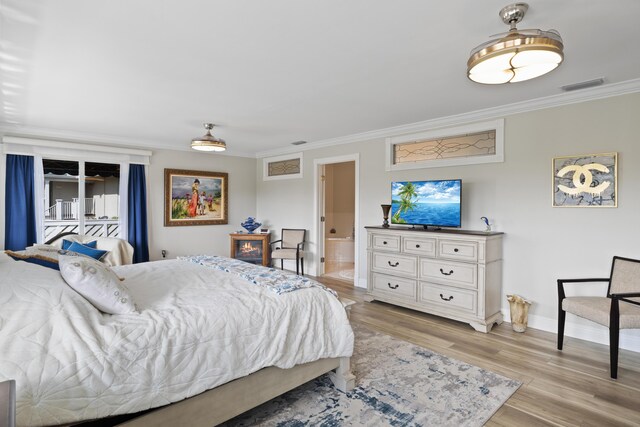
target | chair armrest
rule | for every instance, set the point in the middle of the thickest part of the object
(275, 241)
(300, 246)
(582, 280)
(561, 282)
(626, 295)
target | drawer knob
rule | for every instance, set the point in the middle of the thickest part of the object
(396, 264)
(455, 249)
(446, 274)
(446, 299)
(384, 243)
(393, 287)
(417, 246)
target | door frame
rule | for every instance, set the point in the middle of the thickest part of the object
(318, 207)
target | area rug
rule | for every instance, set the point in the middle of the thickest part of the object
(398, 384)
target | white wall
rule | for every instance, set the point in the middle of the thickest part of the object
(201, 239)
(541, 243)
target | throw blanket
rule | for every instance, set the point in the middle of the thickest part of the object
(275, 280)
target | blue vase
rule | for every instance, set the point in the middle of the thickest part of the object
(250, 224)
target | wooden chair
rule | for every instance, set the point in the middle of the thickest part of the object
(291, 247)
(620, 309)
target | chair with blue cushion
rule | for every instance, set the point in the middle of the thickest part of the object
(619, 309)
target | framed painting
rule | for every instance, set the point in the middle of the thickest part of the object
(590, 180)
(195, 197)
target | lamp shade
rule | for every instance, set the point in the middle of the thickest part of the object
(208, 142)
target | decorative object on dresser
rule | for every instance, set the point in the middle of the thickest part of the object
(451, 273)
(291, 247)
(385, 215)
(619, 309)
(250, 224)
(253, 248)
(195, 197)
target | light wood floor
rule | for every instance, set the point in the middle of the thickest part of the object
(567, 388)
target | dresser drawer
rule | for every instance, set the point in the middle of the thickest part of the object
(446, 297)
(395, 264)
(419, 246)
(450, 272)
(385, 242)
(452, 249)
(404, 288)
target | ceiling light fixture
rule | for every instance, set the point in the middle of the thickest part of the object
(517, 55)
(208, 142)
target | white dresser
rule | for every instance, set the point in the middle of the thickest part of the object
(451, 273)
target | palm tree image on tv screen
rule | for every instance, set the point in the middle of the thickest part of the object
(434, 203)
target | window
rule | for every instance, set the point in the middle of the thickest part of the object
(461, 145)
(282, 167)
(81, 197)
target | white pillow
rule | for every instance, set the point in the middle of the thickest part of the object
(97, 283)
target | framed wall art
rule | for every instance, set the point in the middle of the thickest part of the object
(589, 180)
(195, 197)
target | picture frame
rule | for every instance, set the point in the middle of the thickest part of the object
(589, 180)
(195, 197)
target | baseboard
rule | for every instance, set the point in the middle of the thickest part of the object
(629, 339)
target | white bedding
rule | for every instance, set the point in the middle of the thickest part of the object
(197, 328)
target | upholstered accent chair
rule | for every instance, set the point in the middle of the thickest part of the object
(291, 247)
(620, 309)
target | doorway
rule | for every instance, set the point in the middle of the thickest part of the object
(337, 228)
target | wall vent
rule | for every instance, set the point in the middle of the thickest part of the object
(583, 85)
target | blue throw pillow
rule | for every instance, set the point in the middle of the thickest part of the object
(34, 259)
(86, 250)
(66, 243)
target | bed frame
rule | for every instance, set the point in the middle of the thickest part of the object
(222, 403)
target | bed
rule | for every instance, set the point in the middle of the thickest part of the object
(205, 346)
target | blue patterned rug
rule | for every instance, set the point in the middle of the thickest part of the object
(398, 384)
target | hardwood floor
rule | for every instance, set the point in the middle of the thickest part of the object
(560, 388)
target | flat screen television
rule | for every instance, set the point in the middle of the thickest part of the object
(427, 203)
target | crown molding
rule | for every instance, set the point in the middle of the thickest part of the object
(585, 95)
(590, 94)
(11, 130)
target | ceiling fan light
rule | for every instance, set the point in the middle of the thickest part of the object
(519, 54)
(532, 71)
(493, 78)
(536, 57)
(493, 64)
(208, 142)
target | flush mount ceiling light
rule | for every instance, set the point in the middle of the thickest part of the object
(208, 142)
(517, 55)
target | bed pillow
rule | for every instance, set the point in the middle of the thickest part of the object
(97, 283)
(35, 258)
(86, 250)
(66, 243)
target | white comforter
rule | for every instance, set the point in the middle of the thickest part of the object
(197, 328)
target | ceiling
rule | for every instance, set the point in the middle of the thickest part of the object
(148, 73)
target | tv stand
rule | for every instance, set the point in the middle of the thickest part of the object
(451, 273)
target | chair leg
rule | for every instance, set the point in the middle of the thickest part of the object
(281, 264)
(302, 265)
(297, 266)
(614, 337)
(561, 319)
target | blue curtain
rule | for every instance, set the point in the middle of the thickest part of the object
(138, 235)
(20, 213)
